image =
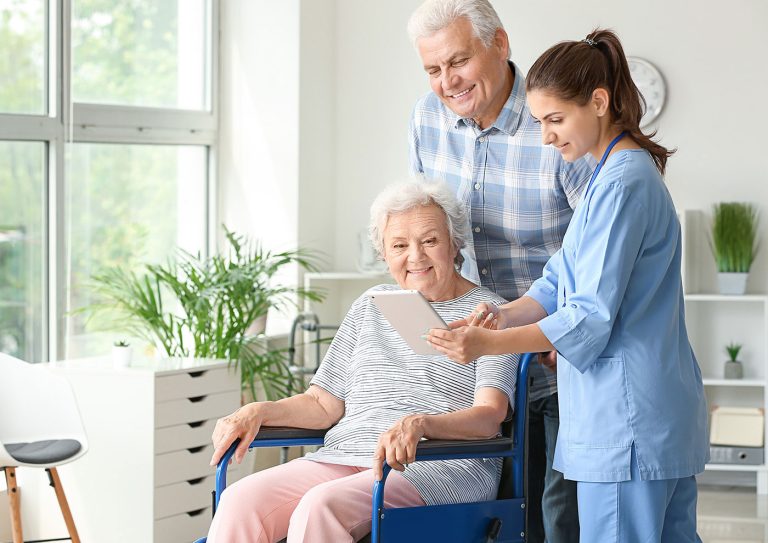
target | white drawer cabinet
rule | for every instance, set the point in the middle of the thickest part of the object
(146, 476)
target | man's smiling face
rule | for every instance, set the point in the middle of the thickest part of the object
(468, 77)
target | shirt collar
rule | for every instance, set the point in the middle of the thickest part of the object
(511, 113)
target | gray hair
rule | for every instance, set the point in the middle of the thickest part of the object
(401, 197)
(434, 15)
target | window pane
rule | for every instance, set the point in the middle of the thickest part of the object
(128, 205)
(149, 53)
(23, 56)
(22, 182)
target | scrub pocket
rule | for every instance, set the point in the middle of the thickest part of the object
(599, 407)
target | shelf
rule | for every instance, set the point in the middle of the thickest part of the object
(726, 298)
(756, 383)
(736, 467)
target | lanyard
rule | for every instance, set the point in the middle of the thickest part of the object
(602, 160)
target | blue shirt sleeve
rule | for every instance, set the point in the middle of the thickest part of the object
(414, 159)
(603, 264)
(544, 289)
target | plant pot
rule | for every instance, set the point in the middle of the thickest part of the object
(121, 356)
(732, 283)
(734, 369)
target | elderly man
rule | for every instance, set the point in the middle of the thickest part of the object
(474, 131)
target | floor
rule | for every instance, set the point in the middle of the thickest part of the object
(732, 515)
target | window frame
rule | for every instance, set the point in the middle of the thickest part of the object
(66, 123)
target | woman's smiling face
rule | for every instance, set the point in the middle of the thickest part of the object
(419, 252)
(572, 129)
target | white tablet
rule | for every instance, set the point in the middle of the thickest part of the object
(411, 315)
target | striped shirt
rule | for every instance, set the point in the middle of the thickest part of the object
(520, 195)
(380, 379)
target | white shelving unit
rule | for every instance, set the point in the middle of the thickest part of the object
(713, 321)
(340, 289)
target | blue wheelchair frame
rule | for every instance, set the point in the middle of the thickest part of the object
(502, 520)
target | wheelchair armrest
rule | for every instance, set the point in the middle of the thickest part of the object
(285, 433)
(478, 448)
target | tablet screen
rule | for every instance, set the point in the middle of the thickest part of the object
(411, 315)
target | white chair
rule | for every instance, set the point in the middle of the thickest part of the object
(40, 427)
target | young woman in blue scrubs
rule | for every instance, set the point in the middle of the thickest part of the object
(632, 408)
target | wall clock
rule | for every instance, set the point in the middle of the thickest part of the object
(651, 84)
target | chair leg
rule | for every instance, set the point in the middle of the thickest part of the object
(14, 499)
(53, 475)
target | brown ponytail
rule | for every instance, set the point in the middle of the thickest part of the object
(572, 70)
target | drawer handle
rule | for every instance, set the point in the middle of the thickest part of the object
(196, 513)
(196, 424)
(197, 399)
(196, 374)
(195, 450)
(193, 482)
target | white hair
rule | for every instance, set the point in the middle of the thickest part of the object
(434, 15)
(404, 196)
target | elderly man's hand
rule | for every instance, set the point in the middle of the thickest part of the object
(398, 444)
(549, 360)
(463, 344)
(244, 424)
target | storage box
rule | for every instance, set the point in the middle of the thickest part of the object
(752, 456)
(737, 426)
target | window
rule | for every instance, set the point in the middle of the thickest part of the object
(140, 53)
(128, 204)
(22, 175)
(119, 175)
(23, 59)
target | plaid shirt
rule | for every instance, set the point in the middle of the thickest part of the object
(520, 195)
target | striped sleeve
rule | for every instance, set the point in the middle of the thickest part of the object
(498, 372)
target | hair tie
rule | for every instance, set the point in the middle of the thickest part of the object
(591, 43)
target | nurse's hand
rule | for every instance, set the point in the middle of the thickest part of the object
(485, 316)
(462, 344)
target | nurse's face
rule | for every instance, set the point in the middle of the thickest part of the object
(572, 129)
(419, 252)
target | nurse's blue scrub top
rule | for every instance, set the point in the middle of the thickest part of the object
(614, 298)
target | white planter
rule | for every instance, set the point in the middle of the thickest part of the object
(732, 283)
(121, 356)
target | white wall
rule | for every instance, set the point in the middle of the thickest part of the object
(711, 53)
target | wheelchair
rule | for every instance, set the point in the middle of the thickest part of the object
(502, 520)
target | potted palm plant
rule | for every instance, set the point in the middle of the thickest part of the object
(734, 244)
(206, 306)
(733, 367)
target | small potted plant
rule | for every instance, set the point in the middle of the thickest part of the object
(733, 368)
(121, 354)
(734, 236)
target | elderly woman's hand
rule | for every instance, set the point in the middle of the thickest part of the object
(244, 424)
(462, 344)
(398, 444)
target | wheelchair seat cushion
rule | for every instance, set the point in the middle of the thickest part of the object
(44, 452)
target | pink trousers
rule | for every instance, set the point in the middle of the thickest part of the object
(307, 501)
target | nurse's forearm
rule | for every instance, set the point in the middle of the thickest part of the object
(524, 310)
(522, 339)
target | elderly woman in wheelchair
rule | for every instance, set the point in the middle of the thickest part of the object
(378, 398)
